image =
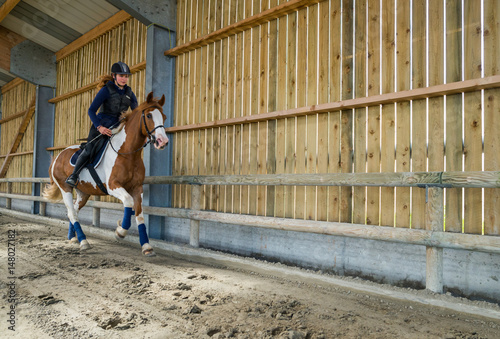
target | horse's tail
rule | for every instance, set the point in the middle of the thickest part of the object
(51, 191)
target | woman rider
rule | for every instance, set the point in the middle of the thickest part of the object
(114, 98)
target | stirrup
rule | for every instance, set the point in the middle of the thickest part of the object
(72, 181)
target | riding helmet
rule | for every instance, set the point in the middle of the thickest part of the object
(120, 68)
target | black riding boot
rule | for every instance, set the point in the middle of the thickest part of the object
(81, 162)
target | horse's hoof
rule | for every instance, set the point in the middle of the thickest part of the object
(73, 240)
(120, 232)
(84, 245)
(147, 250)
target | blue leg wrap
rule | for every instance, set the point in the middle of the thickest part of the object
(127, 216)
(79, 233)
(71, 231)
(143, 235)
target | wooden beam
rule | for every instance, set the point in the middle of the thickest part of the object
(57, 148)
(418, 93)
(19, 136)
(12, 117)
(94, 33)
(17, 154)
(258, 19)
(134, 69)
(11, 84)
(7, 7)
(487, 179)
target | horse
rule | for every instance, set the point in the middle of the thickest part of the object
(121, 170)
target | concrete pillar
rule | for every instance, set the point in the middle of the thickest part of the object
(160, 78)
(43, 138)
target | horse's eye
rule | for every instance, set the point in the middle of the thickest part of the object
(149, 115)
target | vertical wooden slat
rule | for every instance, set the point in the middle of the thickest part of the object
(290, 159)
(346, 141)
(301, 132)
(334, 117)
(454, 153)
(491, 114)
(230, 166)
(359, 192)
(209, 149)
(272, 98)
(323, 91)
(254, 108)
(472, 115)
(281, 102)
(245, 133)
(217, 136)
(419, 110)
(373, 120)
(224, 157)
(237, 199)
(263, 128)
(312, 120)
(388, 111)
(403, 110)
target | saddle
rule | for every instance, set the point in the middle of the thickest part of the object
(96, 157)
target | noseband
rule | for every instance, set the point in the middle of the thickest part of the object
(151, 137)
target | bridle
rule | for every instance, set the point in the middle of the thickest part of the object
(151, 137)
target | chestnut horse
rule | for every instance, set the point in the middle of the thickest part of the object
(121, 171)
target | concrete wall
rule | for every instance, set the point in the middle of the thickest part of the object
(471, 274)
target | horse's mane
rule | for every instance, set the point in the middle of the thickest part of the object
(142, 107)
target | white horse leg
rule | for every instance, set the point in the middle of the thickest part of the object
(71, 232)
(73, 218)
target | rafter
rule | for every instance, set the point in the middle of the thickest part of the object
(7, 7)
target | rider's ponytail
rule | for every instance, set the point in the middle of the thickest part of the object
(103, 80)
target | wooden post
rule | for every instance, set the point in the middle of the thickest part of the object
(96, 213)
(8, 201)
(434, 222)
(194, 239)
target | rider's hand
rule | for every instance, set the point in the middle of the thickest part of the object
(104, 130)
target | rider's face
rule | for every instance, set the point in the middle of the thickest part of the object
(121, 79)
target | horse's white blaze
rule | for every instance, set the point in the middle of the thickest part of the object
(161, 136)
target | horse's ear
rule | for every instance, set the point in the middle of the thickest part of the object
(162, 100)
(150, 97)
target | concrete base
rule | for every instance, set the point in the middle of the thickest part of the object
(470, 274)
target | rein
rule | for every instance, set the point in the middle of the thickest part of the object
(151, 137)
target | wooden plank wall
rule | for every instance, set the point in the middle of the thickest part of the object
(16, 97)
(127, 43)
(327, 52)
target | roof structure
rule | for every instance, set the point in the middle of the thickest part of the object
(51, 24)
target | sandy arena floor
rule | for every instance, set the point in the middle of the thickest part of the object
(111, 291)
